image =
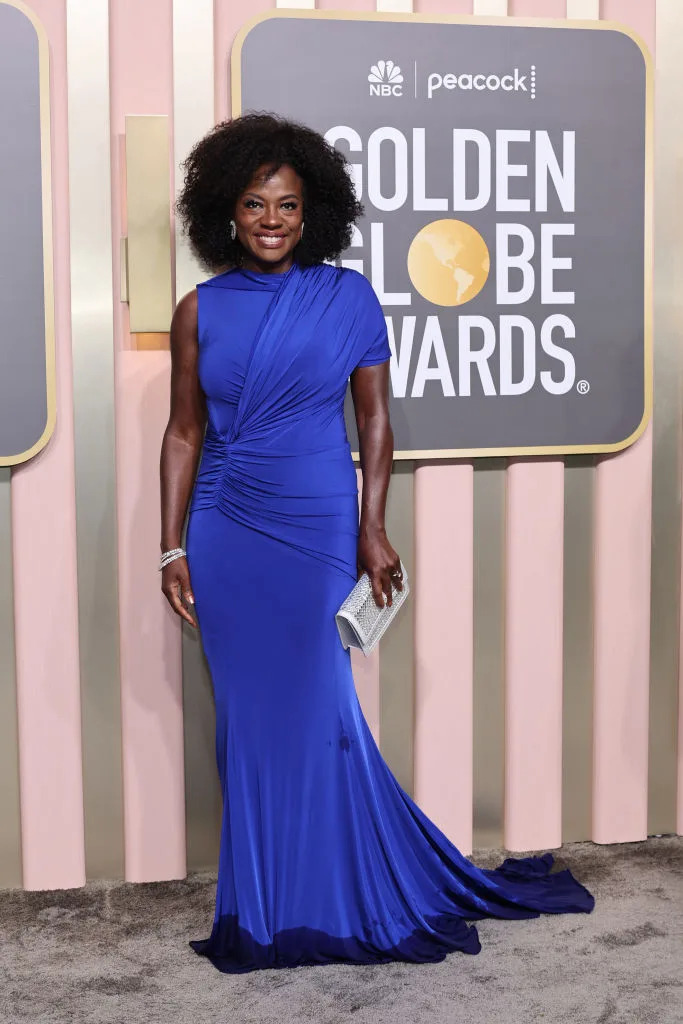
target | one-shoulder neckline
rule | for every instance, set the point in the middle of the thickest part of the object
(237, 276)
(262, 275)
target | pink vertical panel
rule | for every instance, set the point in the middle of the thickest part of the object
(44, 552)
(229, 18)
(638, 15)
(622, 644)
(533, 654)
(444, 651)
(623, 498)
(151, 673)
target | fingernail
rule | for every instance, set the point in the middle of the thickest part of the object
(190, 598)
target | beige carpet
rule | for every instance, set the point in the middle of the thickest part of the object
(118, 954)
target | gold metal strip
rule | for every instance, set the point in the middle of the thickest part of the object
(10, 808)
(87, 31)
(577, 696)
(489, 653)
(668, 428)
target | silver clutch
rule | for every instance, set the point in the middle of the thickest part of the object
(360, 622)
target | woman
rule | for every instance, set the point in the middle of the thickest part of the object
(323, 856)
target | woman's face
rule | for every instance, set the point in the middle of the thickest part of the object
(268, 216)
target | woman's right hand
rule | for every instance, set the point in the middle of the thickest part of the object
(175, 584)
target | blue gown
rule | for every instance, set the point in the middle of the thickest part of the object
(323, 856)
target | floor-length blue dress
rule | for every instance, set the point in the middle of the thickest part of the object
(323, 856)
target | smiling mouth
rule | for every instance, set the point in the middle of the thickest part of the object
(270, 241)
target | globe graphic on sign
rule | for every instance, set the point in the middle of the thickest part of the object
(448, 262)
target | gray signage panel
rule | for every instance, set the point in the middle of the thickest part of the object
(27, 377)
(505, 173)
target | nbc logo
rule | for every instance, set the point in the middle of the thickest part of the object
(385, 79)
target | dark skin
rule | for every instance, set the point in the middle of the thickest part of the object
(272, 207)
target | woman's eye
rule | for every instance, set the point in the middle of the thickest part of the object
(290, 205)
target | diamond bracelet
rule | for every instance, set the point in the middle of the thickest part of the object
(170, 556)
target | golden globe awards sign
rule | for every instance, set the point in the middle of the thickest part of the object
(505, 169)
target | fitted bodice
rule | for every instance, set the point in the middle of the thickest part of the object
(223, 354)
(275, 355)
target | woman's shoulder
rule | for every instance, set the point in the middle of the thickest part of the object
(224, 279)
(360, 286)
(346, 277)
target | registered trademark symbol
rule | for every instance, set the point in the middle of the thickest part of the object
(583, 387)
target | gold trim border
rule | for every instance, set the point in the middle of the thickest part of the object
(510, 22)
(48, 253)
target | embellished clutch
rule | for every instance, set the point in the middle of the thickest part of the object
(360, 622)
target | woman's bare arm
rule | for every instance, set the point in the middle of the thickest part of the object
(376, 556)
(180, 449)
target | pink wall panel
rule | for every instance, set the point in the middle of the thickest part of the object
(44, 553)
(638, 15)
(141, 49)
(229, 18)
(534, 538)
(151, 683)
(622, 644)
(444, 651)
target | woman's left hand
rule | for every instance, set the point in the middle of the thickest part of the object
(378, 559)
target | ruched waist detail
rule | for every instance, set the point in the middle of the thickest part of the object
(305, 498)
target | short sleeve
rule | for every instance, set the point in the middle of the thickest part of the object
(375, 342)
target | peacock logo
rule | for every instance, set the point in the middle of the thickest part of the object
(385, 79)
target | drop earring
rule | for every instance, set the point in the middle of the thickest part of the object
(302, 231)
(233, 230)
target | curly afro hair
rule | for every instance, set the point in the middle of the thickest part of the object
(221, 165)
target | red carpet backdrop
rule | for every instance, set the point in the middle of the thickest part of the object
(532, 695)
